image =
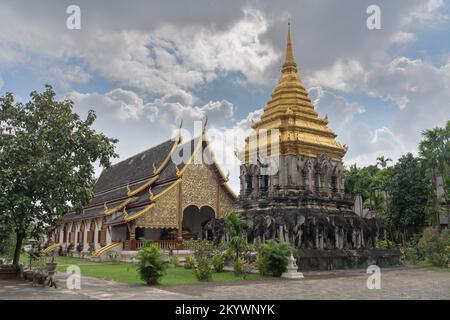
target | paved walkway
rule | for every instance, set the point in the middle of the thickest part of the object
(396, 283)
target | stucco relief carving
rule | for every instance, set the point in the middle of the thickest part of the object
(200, 189)
(199, 186)
(164, 214)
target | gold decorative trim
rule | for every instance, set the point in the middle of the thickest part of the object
(138, 214)
(166, 160)
(159, 195)
(159, 226)
(196, 149)
(151, 194)
(145, 185)
(109, 212)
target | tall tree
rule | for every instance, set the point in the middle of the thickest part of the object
(383, 162)
(46, 159)
(409, 189)
(435, 152)
(235, 226)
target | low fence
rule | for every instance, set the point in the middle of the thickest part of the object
(165, 244)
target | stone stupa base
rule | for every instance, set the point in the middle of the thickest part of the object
(292, 275)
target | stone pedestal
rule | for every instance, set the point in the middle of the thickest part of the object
(292, 270)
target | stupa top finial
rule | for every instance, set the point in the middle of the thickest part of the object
(289, 60)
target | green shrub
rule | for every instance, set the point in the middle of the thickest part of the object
(273, 258)
(189, 262)
(236, 225)
(238, 266)
(411, 254)
(175, 261)
(202, 248)
(385, 244)
(203, 271)
(151, 265)
(218, 262)
(435, 246)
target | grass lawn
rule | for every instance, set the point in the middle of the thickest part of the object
(127, 273)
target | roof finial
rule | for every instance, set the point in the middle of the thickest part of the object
(289, 61)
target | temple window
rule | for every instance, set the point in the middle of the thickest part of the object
(334, 183)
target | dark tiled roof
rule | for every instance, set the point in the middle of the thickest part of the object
(87, 213)
(134, 168)
(111, 186)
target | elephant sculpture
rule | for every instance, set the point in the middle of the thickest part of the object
(214, 228)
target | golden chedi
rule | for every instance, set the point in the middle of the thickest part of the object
(292, 188)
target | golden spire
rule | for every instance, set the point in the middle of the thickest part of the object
(291, 111)
(289, 60)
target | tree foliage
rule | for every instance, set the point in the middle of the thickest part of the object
(47, 154)
(434, 149)
(435, 246)
(405, 193)
(235, 226)
(410, 190)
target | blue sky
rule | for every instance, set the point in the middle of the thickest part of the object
(145, 65)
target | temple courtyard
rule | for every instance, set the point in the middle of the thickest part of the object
(396, 283)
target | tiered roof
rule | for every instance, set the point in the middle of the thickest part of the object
(132, 187)
(290, 111)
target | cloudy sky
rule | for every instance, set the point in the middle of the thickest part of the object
(145, 65)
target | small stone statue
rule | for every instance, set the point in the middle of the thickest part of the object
(292, 270)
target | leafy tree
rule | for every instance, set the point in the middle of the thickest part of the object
(6, 241)
(370, 182)
(46, 160)
(235, 226)
(409, 189)
(434, 149)
(382, 161)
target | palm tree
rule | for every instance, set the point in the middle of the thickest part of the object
(382, 161)
(434, 150)
(235, 226)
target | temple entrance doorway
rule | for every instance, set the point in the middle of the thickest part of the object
(194, 219)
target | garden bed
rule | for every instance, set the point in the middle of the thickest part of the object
(8, 272)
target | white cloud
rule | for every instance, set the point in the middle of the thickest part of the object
(426, 12)
(402, 37)
(344, 75)
(225, 140)
(167, 111)
(164, 59)
(340, 111)
(122, 104)
(68, 75)
(419, 89)
(367, 145)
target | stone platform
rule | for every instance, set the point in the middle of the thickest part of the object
(313, 259)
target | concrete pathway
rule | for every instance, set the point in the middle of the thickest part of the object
(396, 283)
